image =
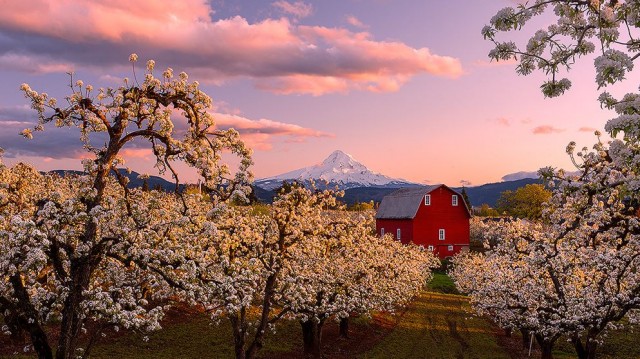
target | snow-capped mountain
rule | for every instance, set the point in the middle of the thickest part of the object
(338, 169)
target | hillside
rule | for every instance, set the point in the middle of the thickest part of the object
(490, 192)
(487, 193)
(134, 180)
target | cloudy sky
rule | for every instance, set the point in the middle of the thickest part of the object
(404, 86)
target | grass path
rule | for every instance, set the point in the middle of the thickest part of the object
(439, 326)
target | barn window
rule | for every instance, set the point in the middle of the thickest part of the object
(430, 248)
(398, 233)
(450, 248)
(382, 232)
(454, 200)
(441, 234)
(427, 199)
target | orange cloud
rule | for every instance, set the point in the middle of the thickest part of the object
(277, 54)
(260, 134)
(546, 129)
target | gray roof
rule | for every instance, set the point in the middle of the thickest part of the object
(403, 203)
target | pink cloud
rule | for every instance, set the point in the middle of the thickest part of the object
(546, 130)
(354, 21)
(260, 134)
(136, 153)
(313, 85)
(503, 121)
(275, 53)
(33, 64)
(298, 9)
(587, 129)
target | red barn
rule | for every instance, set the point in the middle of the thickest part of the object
(435, 216)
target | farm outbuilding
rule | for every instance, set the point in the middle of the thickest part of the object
(435, 217)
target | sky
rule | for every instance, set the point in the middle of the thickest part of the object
(404, 86)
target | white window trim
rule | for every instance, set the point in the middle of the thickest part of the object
(398, 232)
(450, 248)
(430, 247)
(454, 200)
(382, 232)
(427, 200)
(441, 234)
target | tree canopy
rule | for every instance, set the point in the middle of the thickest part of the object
(524, 202)
(574, 273)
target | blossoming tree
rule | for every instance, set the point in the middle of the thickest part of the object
(583, 27)
(348, 270)
(294, 260)
(239, 257)
(577, 275)
(78, 249)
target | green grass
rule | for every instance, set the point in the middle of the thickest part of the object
(619, 344)
(441, 283)
(195, 338)
(437, 326)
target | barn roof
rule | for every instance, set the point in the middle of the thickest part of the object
(403, 203)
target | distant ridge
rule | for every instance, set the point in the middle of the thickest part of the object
(134, 181)
(478, 195)
(490, 192)
(360, 184)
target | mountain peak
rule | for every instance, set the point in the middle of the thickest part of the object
(339, 169)
(337, 157)
(340, 162)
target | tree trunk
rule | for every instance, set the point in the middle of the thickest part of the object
(546, 347)
(312, 338)
(27, 317)
(71, 320)
(80, 272)
(238, 336)
(546, 351)
(526, 338)
(591, 349)
(507, 332)
(13, 323)
(587, 350)
(344, 327)
(258, 339)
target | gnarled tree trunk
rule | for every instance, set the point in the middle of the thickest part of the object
(585, 350)
(546, 347)
(239, 334)
(312, 338)
(344, 327)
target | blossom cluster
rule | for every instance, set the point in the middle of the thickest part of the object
(580, 26)
(576, 273)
